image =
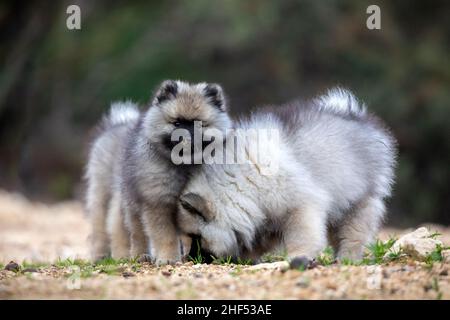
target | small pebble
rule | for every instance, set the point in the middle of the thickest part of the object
(331, 286)
(302, 282)
(166, 273)
(300, 262)
(12, 266)
(127, 274)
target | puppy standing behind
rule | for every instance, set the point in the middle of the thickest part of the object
(335, 169)
(133, 186)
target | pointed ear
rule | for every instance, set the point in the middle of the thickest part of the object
(167, 91)
(215, 95)
(196, 205)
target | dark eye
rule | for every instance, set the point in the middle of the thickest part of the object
(177, 123)
(191, 209)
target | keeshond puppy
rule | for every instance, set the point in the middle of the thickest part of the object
(335, 168)
(133, 185)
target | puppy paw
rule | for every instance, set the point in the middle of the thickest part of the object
(168, 254)
(165, 261)
(185, 246)
(144, 258)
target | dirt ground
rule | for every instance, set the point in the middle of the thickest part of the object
(34, 232)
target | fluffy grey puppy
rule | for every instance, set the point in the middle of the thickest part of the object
(133, 185)
(336, 167)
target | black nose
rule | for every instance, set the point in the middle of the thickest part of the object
(197, 250)
(188, 125)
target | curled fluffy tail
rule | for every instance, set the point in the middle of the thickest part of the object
(122, 112)
(341, 101)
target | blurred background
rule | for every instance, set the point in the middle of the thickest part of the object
(55, 83)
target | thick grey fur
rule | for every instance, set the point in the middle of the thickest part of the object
(336, 168)
(133, 186)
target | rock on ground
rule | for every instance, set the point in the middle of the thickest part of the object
(418, 244)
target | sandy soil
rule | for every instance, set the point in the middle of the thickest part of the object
(40, 233)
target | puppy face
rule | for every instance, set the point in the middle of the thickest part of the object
(201, 214)
(179, 105)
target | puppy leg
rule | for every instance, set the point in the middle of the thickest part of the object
(185, 246)
(138, 240)
(360, 228)
(305, 232)
(97, 204)
(333, 239)
(120, 243)
(160, 229)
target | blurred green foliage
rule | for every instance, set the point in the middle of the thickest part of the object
(56, 83)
